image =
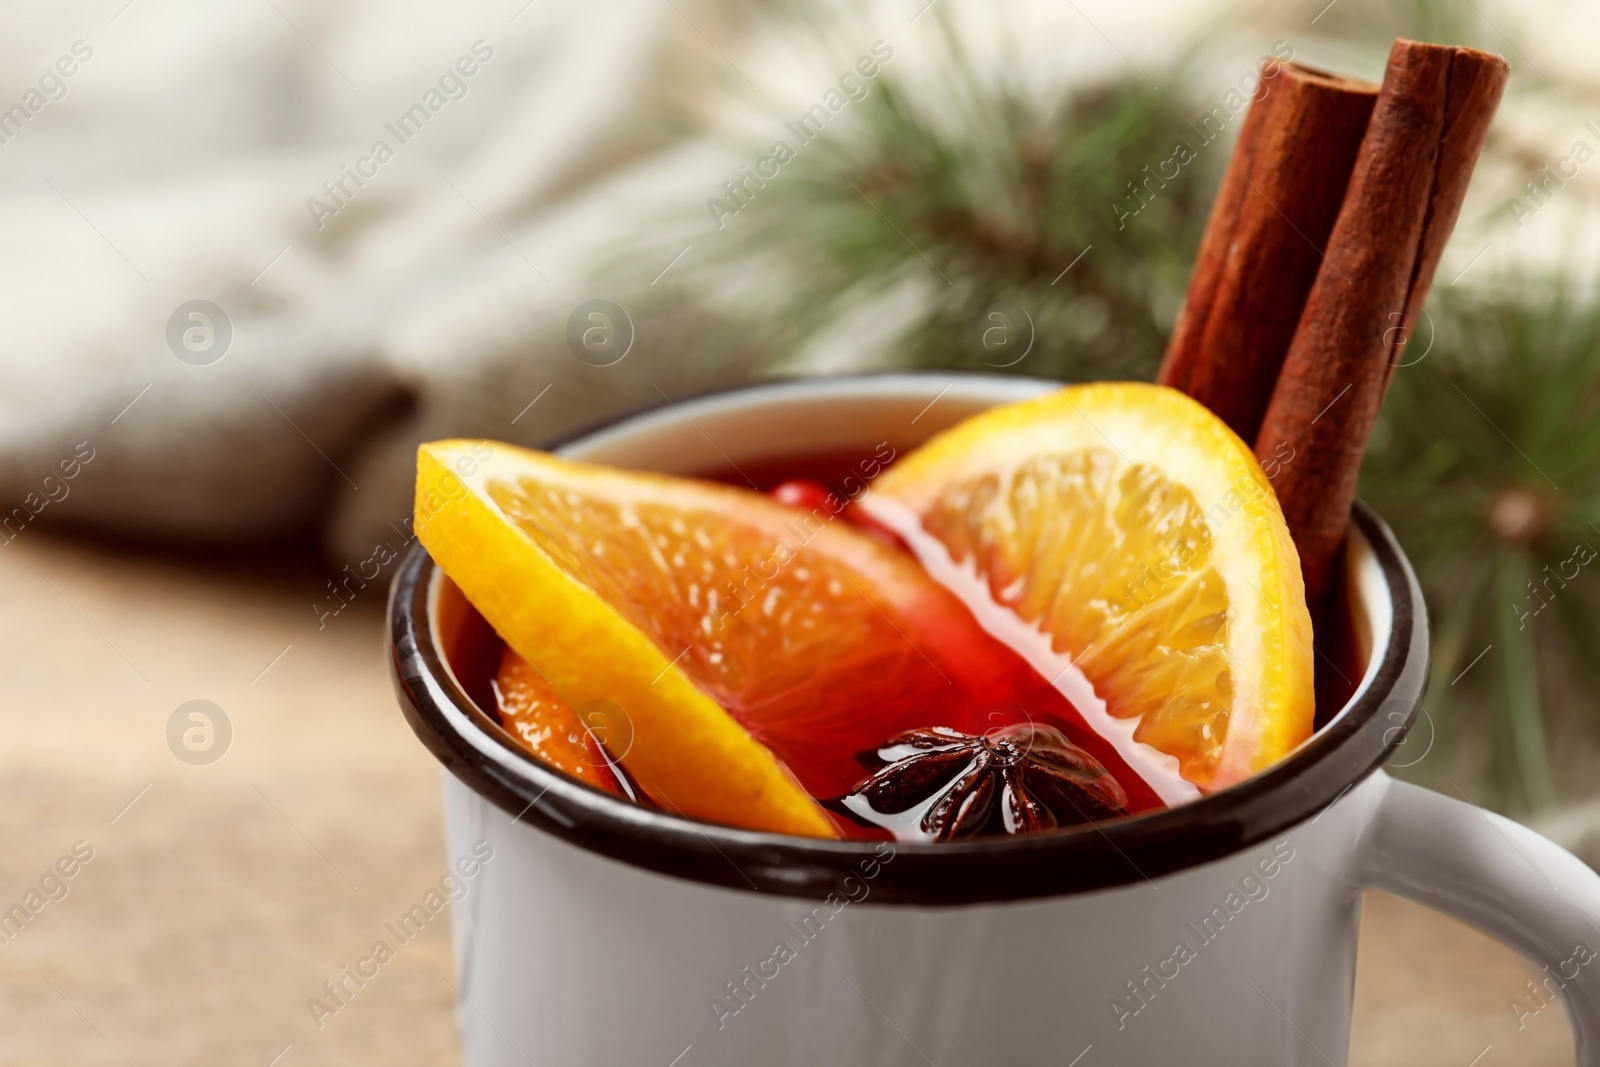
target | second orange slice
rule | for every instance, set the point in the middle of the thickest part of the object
(1122, 534)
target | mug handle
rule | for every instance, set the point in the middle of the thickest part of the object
(1501, 877)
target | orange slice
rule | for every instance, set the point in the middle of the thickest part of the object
(547, 726)
(721, 623)
(1121, 537)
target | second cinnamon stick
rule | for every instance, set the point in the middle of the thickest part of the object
(1426, 132)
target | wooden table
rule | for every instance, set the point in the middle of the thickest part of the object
(221, 897)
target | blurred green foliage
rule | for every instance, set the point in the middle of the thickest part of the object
(1486, 461)
(981, 197)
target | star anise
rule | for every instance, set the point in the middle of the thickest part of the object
(939, 784)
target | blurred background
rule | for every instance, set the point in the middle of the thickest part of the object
(256, 252)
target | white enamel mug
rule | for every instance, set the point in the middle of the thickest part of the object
(1220, 932)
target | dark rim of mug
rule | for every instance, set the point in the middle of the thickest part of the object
(1077, 860)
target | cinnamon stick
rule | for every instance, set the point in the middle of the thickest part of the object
(1263, 242)
(1411, 173)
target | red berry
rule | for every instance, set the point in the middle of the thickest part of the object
(802, 493)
